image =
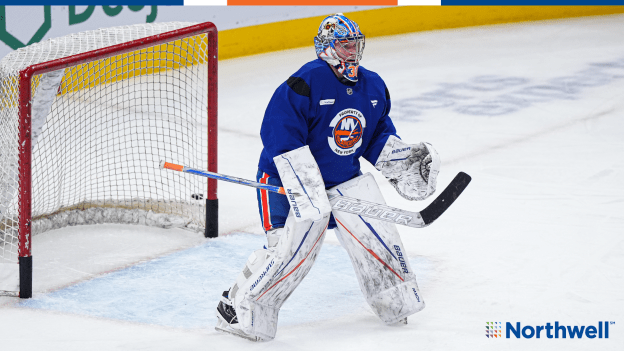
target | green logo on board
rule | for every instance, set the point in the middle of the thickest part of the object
(74, 18)
(15, 43)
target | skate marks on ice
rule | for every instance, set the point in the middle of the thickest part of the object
(491, 95)
(182, 290)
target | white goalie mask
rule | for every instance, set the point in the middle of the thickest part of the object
(340, 43)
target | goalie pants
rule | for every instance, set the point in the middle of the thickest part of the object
(274, 208)
(375, 249)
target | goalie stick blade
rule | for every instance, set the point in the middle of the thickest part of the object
(446, 198)
(398, 216)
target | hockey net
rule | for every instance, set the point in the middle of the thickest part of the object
(81, 142)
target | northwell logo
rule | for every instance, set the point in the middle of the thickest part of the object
(550, 331)
(493, 329)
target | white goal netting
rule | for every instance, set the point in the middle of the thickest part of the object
(100, 129)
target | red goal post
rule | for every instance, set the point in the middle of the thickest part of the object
(25, 219)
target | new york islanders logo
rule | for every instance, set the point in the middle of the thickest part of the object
(347, 129)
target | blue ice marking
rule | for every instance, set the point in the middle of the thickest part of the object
(183, 289)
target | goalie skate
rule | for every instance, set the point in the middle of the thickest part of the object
(227, 322)
(224, 327)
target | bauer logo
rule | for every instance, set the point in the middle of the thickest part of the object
(401, 259)
(556, 330)
(347, 129)
(371, 210)
(401, 150)
(293, 203)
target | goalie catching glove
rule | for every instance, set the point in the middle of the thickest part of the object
(411, 168)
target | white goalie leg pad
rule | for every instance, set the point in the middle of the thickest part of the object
(271, 275)
(303, 184)
(378, 256)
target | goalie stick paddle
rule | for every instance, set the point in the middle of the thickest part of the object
(356, 206)
(398, 216)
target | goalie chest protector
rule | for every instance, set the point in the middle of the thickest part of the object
(339, 122)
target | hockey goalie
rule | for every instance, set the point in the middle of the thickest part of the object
(327, 115)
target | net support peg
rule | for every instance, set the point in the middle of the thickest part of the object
(212, 218)
(25, 277)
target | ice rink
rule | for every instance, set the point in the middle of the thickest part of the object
(533, 112)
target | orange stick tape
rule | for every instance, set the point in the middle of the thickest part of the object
(173, 166)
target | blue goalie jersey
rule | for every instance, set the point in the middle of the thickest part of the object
(339, 122)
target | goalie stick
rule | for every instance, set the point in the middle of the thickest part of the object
(356, 206)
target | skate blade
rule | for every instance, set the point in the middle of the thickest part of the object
(224, 327)
(400, 323)
(236, 332)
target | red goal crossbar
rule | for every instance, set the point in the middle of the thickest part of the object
(25, 104)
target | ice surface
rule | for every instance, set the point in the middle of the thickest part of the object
(172, 290)
(533, 112)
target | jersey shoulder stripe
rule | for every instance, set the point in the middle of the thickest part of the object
(299, 86)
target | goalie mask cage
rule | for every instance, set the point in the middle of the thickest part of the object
(84, 122)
